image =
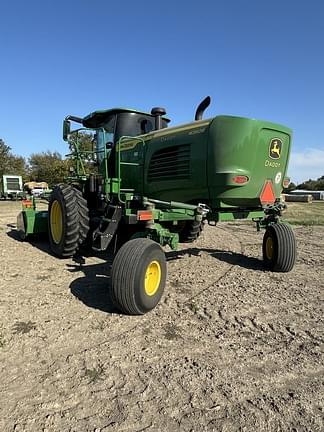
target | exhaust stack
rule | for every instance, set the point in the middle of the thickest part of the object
(158, 112)
(202, 107)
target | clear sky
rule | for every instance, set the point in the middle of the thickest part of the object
(260, 59)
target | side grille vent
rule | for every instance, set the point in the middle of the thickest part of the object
(171, 163)
(13, 184)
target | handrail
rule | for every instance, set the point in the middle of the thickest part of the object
(119, 163)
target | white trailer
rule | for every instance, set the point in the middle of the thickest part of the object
(11, 186)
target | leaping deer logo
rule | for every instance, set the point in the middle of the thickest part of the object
(275, 148)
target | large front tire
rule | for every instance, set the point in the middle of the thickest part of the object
(63, 221)
(279, 248)
(138, 276)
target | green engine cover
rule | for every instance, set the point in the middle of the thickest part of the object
(224, 162)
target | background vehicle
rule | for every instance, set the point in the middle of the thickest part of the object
(156, 186)
(11, 187)
(37, 191)
(35, 188)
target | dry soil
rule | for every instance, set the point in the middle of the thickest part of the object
(231, 347)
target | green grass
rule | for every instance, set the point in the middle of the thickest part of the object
(305, 213)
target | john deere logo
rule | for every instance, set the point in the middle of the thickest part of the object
(275, 148)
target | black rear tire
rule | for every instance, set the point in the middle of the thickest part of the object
(279, 248)
(191, 231)
(68, 220)
(63, 221)
(138, 276)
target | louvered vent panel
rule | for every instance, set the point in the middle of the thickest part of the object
(13, 184)
(170, 163)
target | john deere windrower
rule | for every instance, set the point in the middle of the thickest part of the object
(157, 185)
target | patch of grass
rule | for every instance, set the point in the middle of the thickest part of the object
(146, 331)
(23, 327)
(99, 325)
(305, 213)
(193, 307)
(94, 374)
(171, 332)
(42, 277)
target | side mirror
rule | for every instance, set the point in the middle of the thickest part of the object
(66, 129)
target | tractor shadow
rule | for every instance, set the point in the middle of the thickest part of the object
(93, 288)
(39, 241)
(233, 258)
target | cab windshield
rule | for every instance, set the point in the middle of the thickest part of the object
(105, 138)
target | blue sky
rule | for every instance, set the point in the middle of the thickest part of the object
(254, 58)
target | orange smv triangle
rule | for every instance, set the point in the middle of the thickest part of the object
(267, 195)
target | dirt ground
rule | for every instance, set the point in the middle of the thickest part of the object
(231, 347)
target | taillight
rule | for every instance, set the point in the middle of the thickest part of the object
(27, 203)
(267, 195)
(144, 215)
(286, 182)
(240, 179)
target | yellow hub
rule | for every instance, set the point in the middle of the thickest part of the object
(269, 247)
(56, 222)
(152, 278)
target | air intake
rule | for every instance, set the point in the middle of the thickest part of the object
(171, 163)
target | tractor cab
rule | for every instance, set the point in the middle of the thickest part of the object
(118, 122)
(112, 124)
(115, 123)
(125, 122)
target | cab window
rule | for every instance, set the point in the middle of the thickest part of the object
(105, 137)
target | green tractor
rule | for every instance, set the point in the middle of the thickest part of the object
(156, 185)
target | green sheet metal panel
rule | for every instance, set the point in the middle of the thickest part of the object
(241, 146)
(176, 163)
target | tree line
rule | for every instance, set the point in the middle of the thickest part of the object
(44, 166)
(314, 185)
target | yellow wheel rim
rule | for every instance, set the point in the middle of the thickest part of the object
(269, 247)
(56, 222)
(152, 278)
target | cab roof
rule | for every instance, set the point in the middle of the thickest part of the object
(92, 119)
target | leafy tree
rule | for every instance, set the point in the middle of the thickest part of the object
(86, 143)
(4, 157)
(10, 163)
(4, 150)
(49, 167)
(84, 139)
